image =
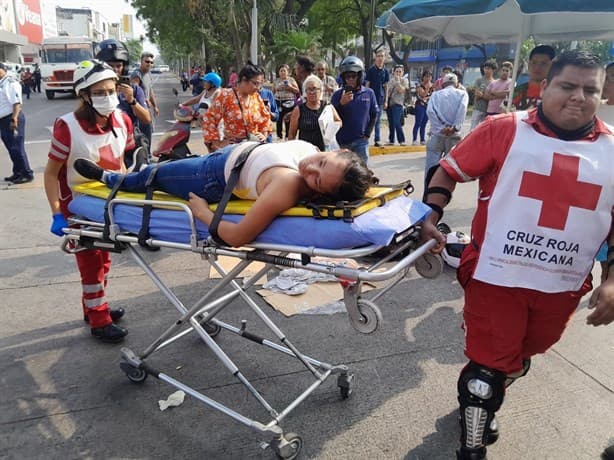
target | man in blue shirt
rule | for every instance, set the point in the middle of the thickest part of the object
(377, 79)
(357, 107)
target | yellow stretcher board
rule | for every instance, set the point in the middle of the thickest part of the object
(376, 196)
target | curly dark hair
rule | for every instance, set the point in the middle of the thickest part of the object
(357, 178)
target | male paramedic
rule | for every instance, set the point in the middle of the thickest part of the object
(544, 208)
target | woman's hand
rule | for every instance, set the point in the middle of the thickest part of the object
(199, 207)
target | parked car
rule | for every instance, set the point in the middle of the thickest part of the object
(160, 68)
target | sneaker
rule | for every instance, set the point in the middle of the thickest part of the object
(110, 333)
(402, 144)
(389, 144)
(115, 313)
(414, 143)
(140, 160)
(22, 179)
(422, 143)
(88, 169)
(377, 144)
(465, 453)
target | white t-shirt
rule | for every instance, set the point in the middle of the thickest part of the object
(287, 154)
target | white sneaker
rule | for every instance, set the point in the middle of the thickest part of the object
(415, 143)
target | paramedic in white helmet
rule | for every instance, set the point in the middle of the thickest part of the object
(102, 133)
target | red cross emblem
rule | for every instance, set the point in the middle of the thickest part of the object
(559, 191)
(107, 159)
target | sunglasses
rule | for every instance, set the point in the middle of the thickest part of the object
(148, 62)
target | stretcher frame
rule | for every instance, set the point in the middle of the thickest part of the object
(364, 315)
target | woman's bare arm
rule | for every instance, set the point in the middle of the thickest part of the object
(283, 192)
(293, 128)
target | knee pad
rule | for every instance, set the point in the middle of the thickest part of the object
(480, 395)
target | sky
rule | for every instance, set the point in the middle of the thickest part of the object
(112, 10)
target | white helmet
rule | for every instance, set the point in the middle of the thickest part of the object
(90, 72)
(456, 242)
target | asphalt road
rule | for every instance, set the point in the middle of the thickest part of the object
(64, 396)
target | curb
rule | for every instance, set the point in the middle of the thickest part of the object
(390, 149)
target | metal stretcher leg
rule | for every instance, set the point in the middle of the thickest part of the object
(285, 445)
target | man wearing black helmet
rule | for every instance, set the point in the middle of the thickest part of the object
(357, 107)
(131, 97)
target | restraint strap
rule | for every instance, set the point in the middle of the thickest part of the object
(146, 219)
(230, 186)
(106, 232)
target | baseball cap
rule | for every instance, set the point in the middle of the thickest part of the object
(449, 79)
(543, 49)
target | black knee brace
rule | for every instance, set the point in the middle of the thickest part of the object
(480, 395)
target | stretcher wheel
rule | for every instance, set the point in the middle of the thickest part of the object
(370, 317)
(429, 265)
(288, 447)
(344, 382)
(211, 328)
(134, 374)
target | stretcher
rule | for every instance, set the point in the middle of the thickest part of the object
(386, 234)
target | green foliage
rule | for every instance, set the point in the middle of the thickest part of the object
(289, 44)
(219, 31)
(135, 48)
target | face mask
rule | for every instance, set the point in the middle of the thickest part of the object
(105, 105)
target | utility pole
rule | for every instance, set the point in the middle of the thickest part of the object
(254, 42)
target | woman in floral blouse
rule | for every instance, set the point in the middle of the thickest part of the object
(243, 111)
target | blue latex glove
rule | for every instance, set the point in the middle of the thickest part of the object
(59, 222)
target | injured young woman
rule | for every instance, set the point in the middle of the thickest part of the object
(275, 176)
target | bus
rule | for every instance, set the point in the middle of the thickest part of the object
(59, 59)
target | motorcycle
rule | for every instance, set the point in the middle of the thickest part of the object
(173, 145)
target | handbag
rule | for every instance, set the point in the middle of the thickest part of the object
(409, 109)
(289, 104)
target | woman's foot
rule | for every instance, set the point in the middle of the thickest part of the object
(414, 143)
(88, 169)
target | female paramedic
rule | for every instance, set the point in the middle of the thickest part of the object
(276, 176)
(99, 131)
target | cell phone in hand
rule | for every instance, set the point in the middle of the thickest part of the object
(124, 79)
(348, 89)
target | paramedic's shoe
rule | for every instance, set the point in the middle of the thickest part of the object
(115, 313)
(466, 453)
(608, 453)
(110, 333)
(11, 178)
(88, 169)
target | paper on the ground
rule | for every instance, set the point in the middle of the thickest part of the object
(175, 399)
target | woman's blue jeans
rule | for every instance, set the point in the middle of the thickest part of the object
(202, 175)
(395, 112)
(420, 123)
